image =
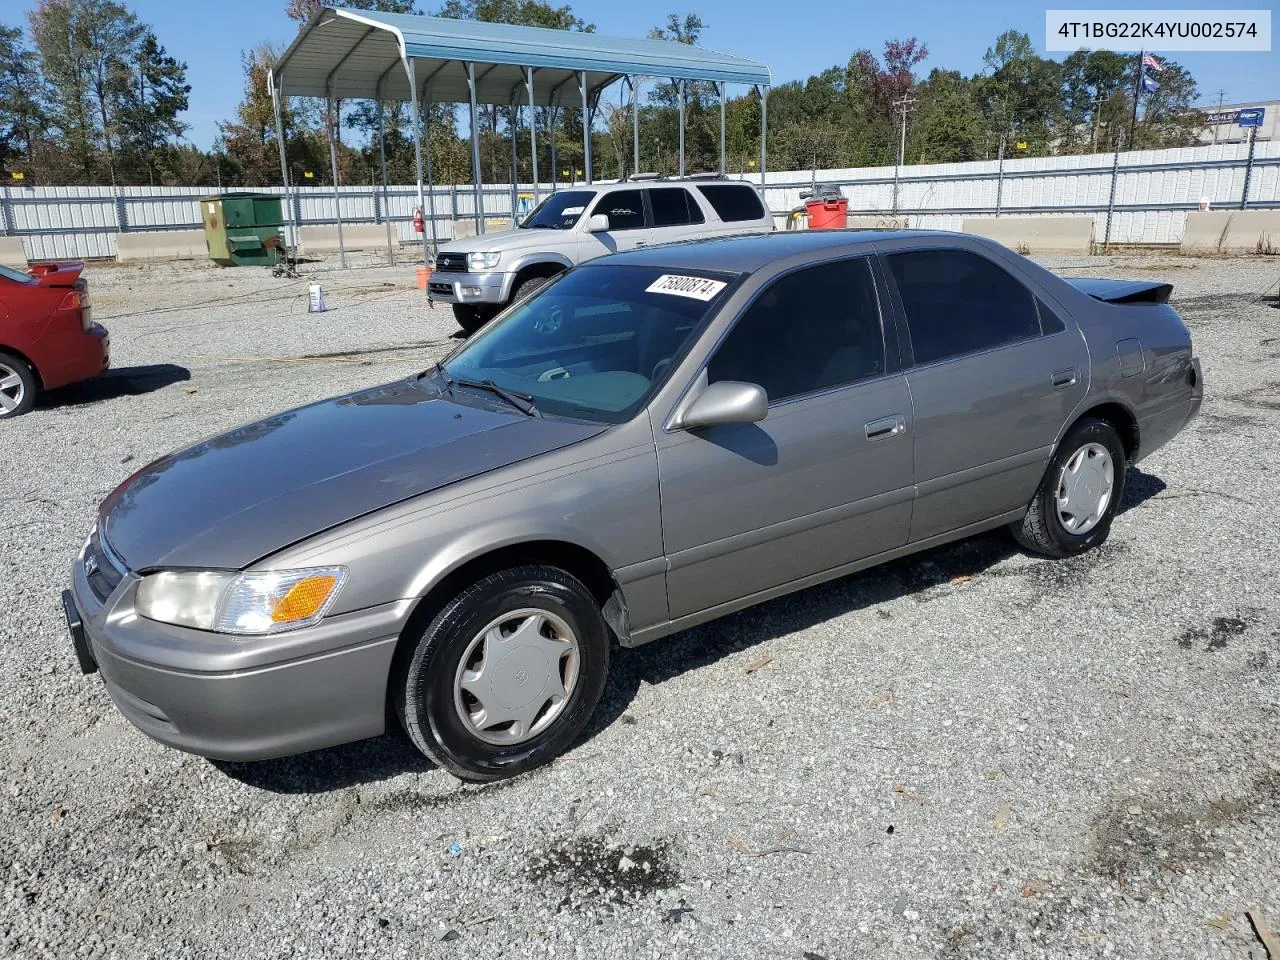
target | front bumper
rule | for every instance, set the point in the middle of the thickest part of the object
(238, 699)
(450, 287)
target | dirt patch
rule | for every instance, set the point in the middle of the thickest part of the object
(1143, 838)
(594, 870)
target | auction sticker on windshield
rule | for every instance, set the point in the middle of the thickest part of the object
(571, 211)
(698, 288)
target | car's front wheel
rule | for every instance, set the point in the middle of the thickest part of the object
(1079, 495)
(506, 676)
(471, 317)
(18, 386)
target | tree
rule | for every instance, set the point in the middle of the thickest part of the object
(948, 126)
(115, 94)
(149, 116)
(22, 115)
(1021, 95)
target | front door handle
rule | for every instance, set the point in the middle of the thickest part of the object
(1064, 378)
(886, 427)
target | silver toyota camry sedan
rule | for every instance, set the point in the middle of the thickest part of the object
(651, 441)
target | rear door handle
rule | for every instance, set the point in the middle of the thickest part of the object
(886, 427)
(1064, 378)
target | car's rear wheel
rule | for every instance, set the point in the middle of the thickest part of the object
(18, 386)
(471, 317)
(1079, 495)
(507, 675)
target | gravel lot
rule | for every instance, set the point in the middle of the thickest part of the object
(972, 753)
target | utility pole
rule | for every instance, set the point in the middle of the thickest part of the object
(1097, 101)
(904, 105)
(1222, 95)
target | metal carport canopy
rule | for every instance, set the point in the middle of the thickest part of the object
(350, 54)
(369, 55)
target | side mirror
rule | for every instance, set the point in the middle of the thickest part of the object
(598, 223)
(726, 402)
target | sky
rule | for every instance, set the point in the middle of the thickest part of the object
(816, 34)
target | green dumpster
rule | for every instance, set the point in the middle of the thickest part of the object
(242, 229)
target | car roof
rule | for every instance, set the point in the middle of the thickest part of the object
(645, 182)
(747, 253)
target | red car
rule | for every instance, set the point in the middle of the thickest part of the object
(47, 337)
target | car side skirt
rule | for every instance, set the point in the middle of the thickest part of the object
(656, 632)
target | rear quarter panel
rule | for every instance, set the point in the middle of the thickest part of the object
(1159, 394)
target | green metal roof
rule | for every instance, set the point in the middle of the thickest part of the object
(358, 54)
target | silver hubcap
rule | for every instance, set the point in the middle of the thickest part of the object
(12, 389)
(1084, 488)
(516, 676)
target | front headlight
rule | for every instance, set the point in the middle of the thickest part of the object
(483, 261)
(243, 604)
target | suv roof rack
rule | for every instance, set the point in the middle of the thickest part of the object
(642, 176)
(710, 175)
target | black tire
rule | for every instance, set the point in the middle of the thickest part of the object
(1041, 530)
(527, 287)
(423, 689)
(28, 387)
(471, 317)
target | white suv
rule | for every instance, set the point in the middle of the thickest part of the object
(481, 275)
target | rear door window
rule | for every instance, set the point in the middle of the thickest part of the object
(958, 303)
(674, 207)
(624, 208)
(733, 202)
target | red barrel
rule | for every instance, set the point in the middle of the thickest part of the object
(827, 214)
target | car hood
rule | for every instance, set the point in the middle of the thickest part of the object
(503, 240)
(235, 498)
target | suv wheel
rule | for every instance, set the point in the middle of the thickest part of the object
(471, 317)
(528, 287)
(18, 386)
(507, 675)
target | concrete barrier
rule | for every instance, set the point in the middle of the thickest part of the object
(355, 236)
(1232, 231)
(1070, 234)
(467, 228)
(161, 245)
(12, 253)
(856, 222)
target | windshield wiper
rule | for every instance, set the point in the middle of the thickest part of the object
(521, 401)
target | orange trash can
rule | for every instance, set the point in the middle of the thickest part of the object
(424, 274)
(827, 214)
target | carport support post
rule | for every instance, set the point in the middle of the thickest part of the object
(724, 165)
(533, 134)
(680, 94)
(635, 124)
(1248, 168)
(515, 133)
(764, 132)
(431, 183)
(411, 76)
(333, 160)
(382, 162)
(284, 162)
(554, 174)
(476, 175)
(586, 127)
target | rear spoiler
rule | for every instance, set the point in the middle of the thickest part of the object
(1123, 291)
(56, 274)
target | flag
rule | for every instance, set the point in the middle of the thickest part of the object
(1151, 63)
(1149, 85)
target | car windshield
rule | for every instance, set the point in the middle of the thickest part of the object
(596, 343)
(560, 211)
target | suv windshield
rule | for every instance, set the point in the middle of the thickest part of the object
(596, 343)
(560, 211)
